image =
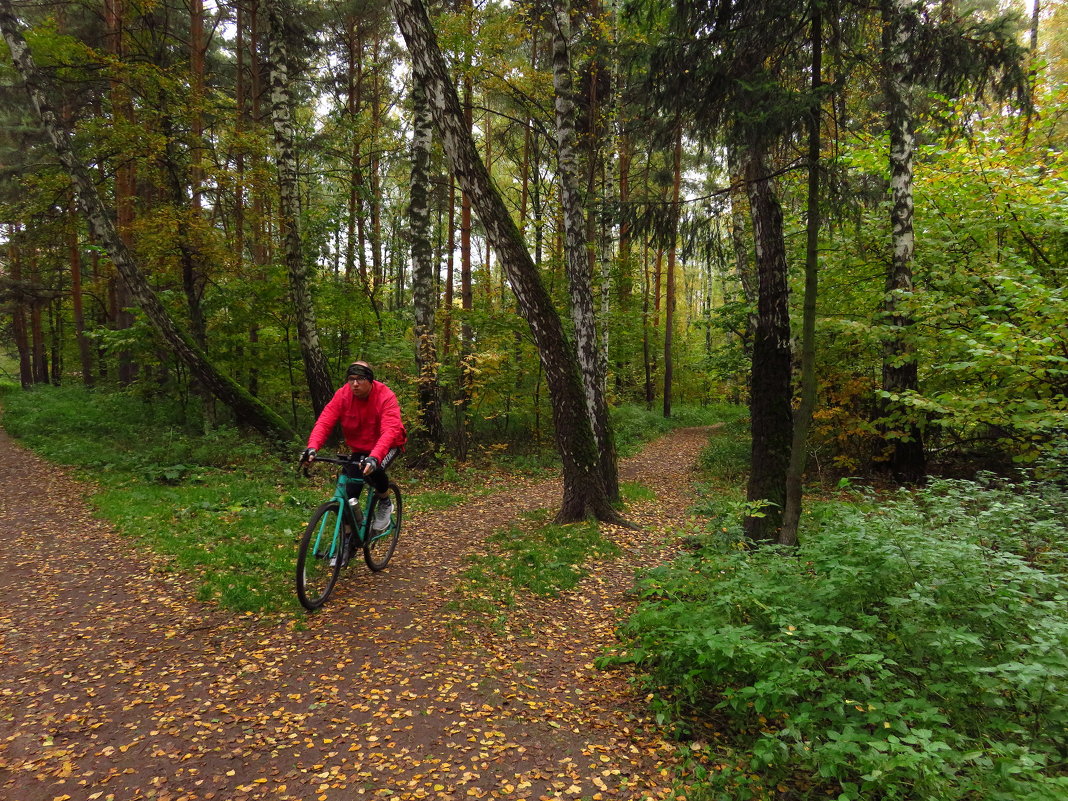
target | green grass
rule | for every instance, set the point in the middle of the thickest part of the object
(435, 500)
(219, 506)
(536, 556)
(634, 492)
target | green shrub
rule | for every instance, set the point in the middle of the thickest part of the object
(913, 649)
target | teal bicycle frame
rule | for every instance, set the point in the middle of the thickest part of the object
(353, 514)
(326, 547)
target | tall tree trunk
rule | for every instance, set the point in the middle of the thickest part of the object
(742, 263)
(647, 328)
(584, 491)
(669, 301)
(770, 414)
(193, 272)
(125, 184)
(196, 83)
(320, 387)
(18, 310)
(247, 408)
(450, 276)
(901, 435)
(1032, 62)
(240, 187)
(577, 255)
(424, 270)
(799, 449)
(354, 99)
(75, 262)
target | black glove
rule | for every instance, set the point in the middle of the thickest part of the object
(308, 455)
(372, 462)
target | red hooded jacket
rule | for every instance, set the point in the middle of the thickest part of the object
(372, 425)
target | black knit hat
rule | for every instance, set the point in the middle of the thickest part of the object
(362, 370)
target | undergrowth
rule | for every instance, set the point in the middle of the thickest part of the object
(635, 424)
(910, 648)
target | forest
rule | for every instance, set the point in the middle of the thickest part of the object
(847, 221)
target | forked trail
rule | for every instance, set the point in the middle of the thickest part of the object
(116, 684)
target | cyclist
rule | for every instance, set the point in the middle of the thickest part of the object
(371, 425)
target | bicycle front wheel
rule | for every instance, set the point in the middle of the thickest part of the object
(319, 558)
(380, 545)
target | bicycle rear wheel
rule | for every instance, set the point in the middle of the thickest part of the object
(380, 545)
(318, 559)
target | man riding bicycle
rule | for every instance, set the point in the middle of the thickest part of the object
(371, 425)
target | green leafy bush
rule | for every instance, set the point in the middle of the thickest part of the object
(909, 649)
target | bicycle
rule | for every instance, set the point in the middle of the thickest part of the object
(334, 532)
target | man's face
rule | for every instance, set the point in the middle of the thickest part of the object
(361, 386)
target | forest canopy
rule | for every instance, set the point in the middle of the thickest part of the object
(678, 177)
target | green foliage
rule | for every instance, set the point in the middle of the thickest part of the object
(910, 648)
(988, 304)
(726, 456)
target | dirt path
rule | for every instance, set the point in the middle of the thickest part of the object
(116, 684)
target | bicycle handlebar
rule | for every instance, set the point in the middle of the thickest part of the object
(340, 459)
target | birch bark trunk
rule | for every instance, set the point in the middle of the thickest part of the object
(320, 387)
(584, 492)
(576, 250)
(902, 436)
(423, 269)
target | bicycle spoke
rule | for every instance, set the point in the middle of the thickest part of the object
(318, 564)
(379, 547)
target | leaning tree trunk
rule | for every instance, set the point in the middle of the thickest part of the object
(320, 387)
(902, 435)
(584, 491)
(245, 406)
(770, 416)
(579, 273)
(423, 270)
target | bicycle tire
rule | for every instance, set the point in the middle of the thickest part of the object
(317, 568)
(379, 547)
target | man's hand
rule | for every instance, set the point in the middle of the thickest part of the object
(308, 455)
(370, 464)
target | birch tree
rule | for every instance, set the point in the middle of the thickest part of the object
(900, 372)
(423, 268)
(246, 407)
(576, 249)
(320, 387)
(584, 490)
